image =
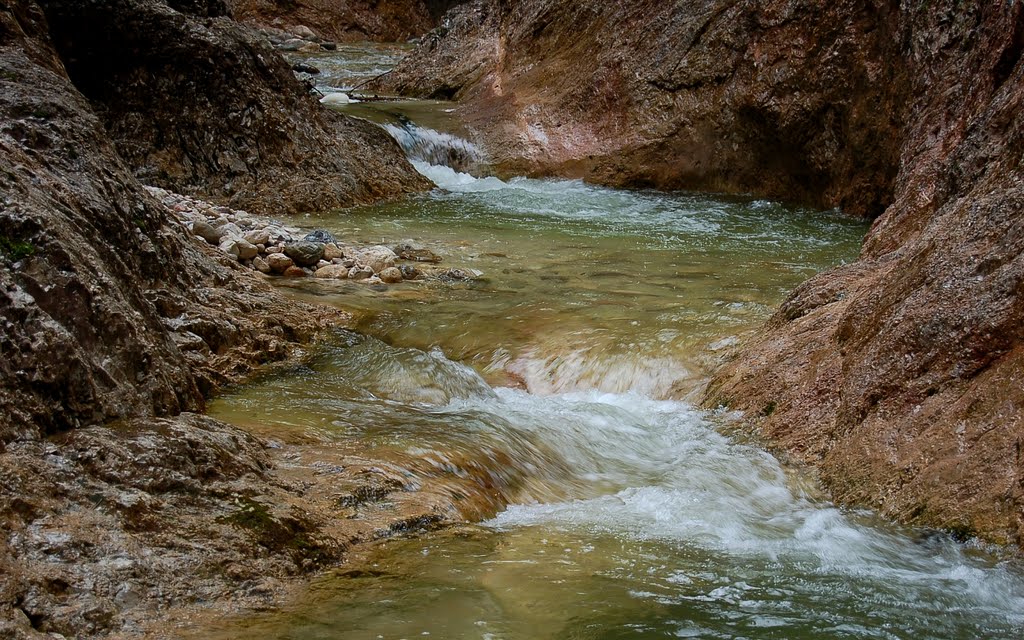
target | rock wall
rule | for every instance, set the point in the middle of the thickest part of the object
(797, 101)
(198, 104)
(114, 320)
(349, 20)
(899, 376)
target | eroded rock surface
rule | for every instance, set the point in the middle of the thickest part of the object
(117, 501)
(899, 375)
(355, 20)
(800, 101)
(199, 104)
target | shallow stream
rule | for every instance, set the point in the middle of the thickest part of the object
(567, 369)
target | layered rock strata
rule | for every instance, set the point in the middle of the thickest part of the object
(898, 376)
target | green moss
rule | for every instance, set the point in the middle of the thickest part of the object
(250, 515)
(6, 74)
(15, 250)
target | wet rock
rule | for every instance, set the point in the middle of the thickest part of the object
(332, 252)
(360, 273)
(304, 32)
(301, 67)
(409, 272)
(390, 275)
(334, 271)
(294, 272)
(305, 254)
(377, 258)
(321, 236)
(417, 253)
(294, 44)
(208, 232)
(279, 262)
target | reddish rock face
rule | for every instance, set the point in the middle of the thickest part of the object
(900, 376)
(389, 21)
(793, 101)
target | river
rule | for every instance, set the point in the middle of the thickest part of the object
(567, 371)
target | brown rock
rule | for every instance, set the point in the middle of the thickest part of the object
(278, 262)
(294, 272)
(334, 271)
(332, 252)
(390, 275)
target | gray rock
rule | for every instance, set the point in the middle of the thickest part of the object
(360, 273)
(305, 254)
(319, 235)
(258, 237)
(377, 258)
(261, 265)
(208, 232)
(246, 250)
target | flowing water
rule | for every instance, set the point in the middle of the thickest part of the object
(567, 370)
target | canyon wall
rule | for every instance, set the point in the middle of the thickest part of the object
(898, 376)
(115, 322)
(346, 20)
(198, 104)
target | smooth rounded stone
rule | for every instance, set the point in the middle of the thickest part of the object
(390, 275)
(332, 271)
(328, 45)
(278, 262)
(332, 251)
(246, 250)
(305, 254)
(257, 237)
(408, 250)
(360, 273)
(294, 272)
(277, 248)
(348, 262)
(377, 258)
(322, 236)
(260, 265)
(208, 232)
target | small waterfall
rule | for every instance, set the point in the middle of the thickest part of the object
(435, 148)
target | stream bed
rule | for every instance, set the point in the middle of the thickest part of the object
(567, 369)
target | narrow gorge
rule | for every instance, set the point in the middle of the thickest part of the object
(511, 319)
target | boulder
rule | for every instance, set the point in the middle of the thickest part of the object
(305, 254)
(376, 258)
